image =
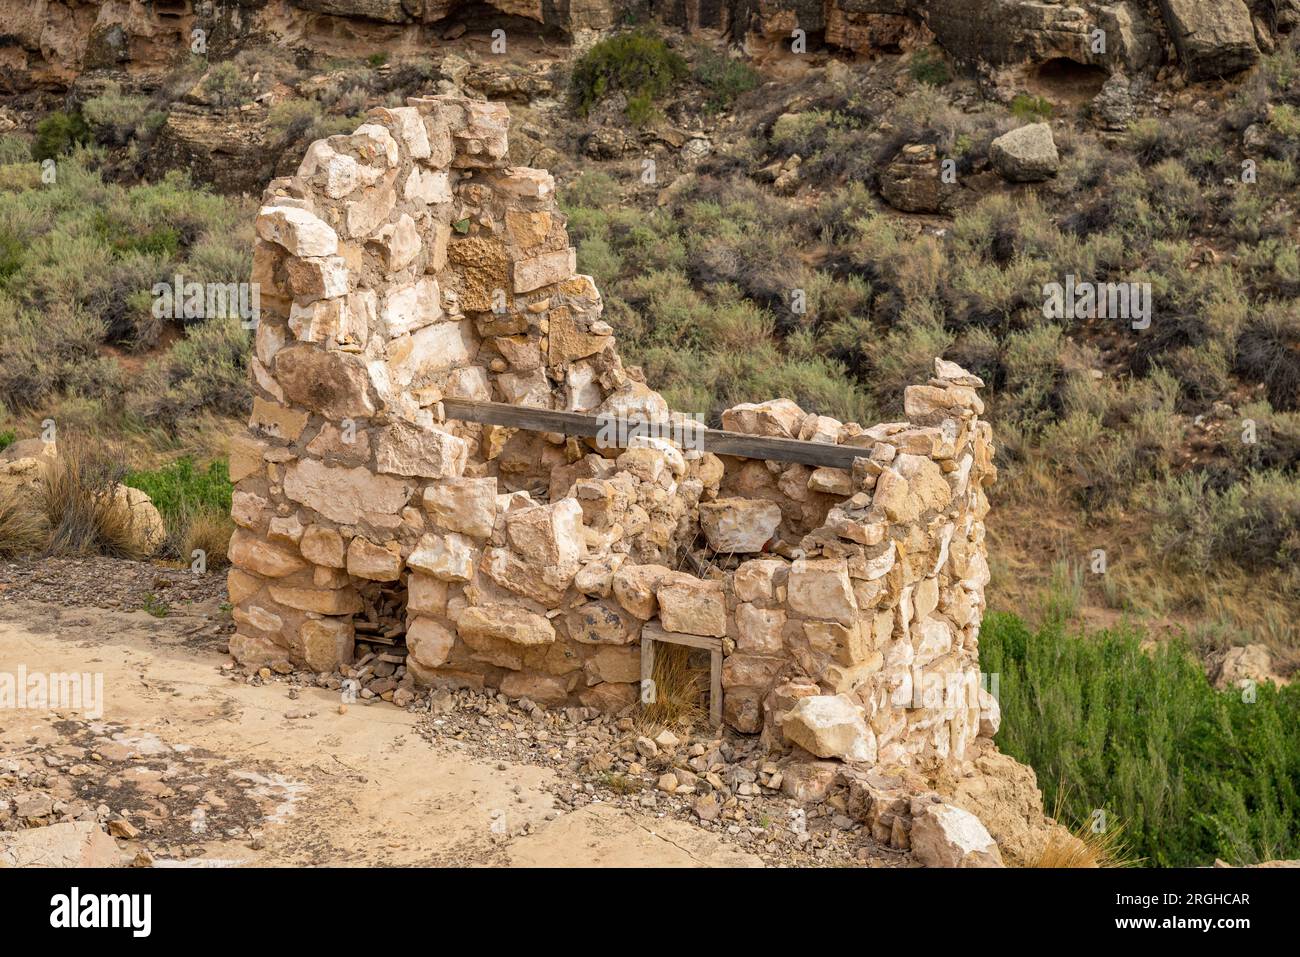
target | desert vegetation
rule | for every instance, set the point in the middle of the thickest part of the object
(1178, 446)
(1153, 473)
(1127, 734)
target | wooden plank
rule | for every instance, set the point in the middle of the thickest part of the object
(656, 633)
(817, 454)
(648, 691)
(718, 441)
(715, 686)
(522, 417)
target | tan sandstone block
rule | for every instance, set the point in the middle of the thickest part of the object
(549, 535)
(375, 562)
(635, 586)
(505, 623)
(277, 421)
(820, 588)
(447, 557)
(544, 270)
(405, 449)
(430, 642)
(465, 505)
(739, 524)
(327, 643)
(255, 555)
(756, 580)
(322, 545)
(322, 601)
(759, 630)
(344, 495)
(692, 606)
(245, 457)
(425, 595)
(300, 232)
(240, 585)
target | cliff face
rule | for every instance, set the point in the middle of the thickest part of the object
(47, 43)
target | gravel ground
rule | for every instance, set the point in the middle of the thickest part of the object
(718, 781)
(109, 583)
(721, 782)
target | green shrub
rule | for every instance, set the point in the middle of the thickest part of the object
(78, 258)
(57, 134)
(1025, 107)
(7, 438)
(1286, 120)
(1268, 351)
(637, 64)
(290, 119)
(1109, 724)
(204, 372)
(724, 78)
(1254, 523)
(641, 110)
(1276, 437)
(227, 85)
(47, 353)
(181, 487)
(929, 67)
(195, 507)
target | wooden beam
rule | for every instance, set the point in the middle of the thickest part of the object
(657, 633)
(718, 441)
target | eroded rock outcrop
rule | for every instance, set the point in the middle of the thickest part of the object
(50, 42)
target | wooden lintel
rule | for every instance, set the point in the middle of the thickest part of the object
(718, 441)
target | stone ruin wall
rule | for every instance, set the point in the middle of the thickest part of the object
(406, 263)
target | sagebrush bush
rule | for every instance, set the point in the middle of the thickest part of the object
(1268, 351)
(117, 118)
(204, 372)
(78, 260)
(227, 85)
(15, 148)
(724, 78)
(929, 66)
(1276, 437)
(1253, 523)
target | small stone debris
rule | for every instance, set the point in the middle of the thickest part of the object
(123, 829)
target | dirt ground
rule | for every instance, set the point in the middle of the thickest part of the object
(218, 772)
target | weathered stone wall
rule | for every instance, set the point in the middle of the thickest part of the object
(405, 264)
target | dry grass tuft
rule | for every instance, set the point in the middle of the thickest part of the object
(23, 528)
(1087, 848)
(208, 530)
(78, 500)
(681, 687)
(1084, 847)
